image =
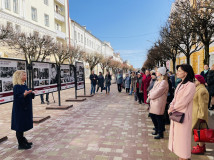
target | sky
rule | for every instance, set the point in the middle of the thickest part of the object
(131, 26)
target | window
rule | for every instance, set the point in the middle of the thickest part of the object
(18, 28)
(46, 20)
(7, 4)
(75, 35)
(15, 6)
(81, 38)
(46, 2)
(34, 14)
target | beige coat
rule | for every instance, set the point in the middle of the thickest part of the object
(158, 97)
(200, 103)
(180, 134)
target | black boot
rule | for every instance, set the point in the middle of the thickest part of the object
(26, 141)
(155, 133)
(160, 136)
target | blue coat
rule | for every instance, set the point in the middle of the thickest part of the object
(22, 114)
(119, 79)
(127, 82)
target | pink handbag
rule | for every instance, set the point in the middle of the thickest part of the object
(177, 116)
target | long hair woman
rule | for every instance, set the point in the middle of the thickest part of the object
(180, 133)
(158, 97)
(22, 115)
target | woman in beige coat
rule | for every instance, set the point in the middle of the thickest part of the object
(200, 110)
(158, 97)
(180, 133)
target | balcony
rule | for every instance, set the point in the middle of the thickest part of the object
(62, 2)
(60, 34)
(59, 17)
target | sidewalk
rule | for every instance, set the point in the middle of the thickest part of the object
(104, 127)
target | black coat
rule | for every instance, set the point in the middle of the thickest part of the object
(22, 114)
(93, 81)
(205, 75)
(210, 82)
(108, 80)
(100, 81)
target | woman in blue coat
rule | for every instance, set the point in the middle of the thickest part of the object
(22, 114)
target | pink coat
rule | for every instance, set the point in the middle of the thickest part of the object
(180, 133)
(158, 97)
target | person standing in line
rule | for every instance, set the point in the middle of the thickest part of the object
(108, 82)
(42, 98)
(119, 79)
(158, 96)
(180, 133)
(133, 82)
(205, 72)
(100, 84)
(93, 78)
(200, 110)
(152, 82)
(210, 83)
(127, 81)
(172, 78)
(139, 88)
(22, 114)
(146, 81)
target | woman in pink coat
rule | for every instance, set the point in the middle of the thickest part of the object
(158, 97)
(180, 133)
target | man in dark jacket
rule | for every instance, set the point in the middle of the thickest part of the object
(100, 84)
(205, 72)
(93, 78)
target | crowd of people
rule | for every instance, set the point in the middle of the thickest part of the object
(186, 95)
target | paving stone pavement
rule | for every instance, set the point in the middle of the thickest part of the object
(104, 127)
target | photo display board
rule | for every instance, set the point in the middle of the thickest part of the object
(44, 77)
(80, 75)
(7, 68)
(67, 76)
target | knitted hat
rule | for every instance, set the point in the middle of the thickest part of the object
(162, 70)
(200, 78)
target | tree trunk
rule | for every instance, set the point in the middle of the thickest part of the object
(173, 64)
(207, 54)
(188, 59)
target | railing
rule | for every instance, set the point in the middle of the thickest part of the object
(59, 17)
(62, 2)
(60, 34)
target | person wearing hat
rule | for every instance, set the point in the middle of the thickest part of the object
(139, 88)
(152, 82)
(158, 96)
(200, 110)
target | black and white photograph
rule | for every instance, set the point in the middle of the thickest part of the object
(53, 74)
(7, 86)
(72, 78)
(20, 65)
(36, 73)
(36, 83)
(43, 73)
(65, 74)
(7, 72)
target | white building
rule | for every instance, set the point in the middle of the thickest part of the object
(47, 17)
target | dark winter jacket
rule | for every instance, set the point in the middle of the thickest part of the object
(205, 75)
(151, 84)
(93, 78)
(210, 82)
(108, 80)
(172, 78)
(119, 79)
(22, 114)
(100, 81)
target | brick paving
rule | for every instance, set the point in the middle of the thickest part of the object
(104, 127)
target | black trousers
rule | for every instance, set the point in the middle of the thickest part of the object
(166, 115)
(140, 96)
(42, 97)
(158, 123)
(20, 137)
(119, 87)
(127, 90)
(99, 88)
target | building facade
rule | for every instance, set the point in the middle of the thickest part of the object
(197, 58)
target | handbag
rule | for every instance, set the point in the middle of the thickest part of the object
(204, 135)
(177, 116)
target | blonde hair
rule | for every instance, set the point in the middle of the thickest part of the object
(163, 77)
(17, 77)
